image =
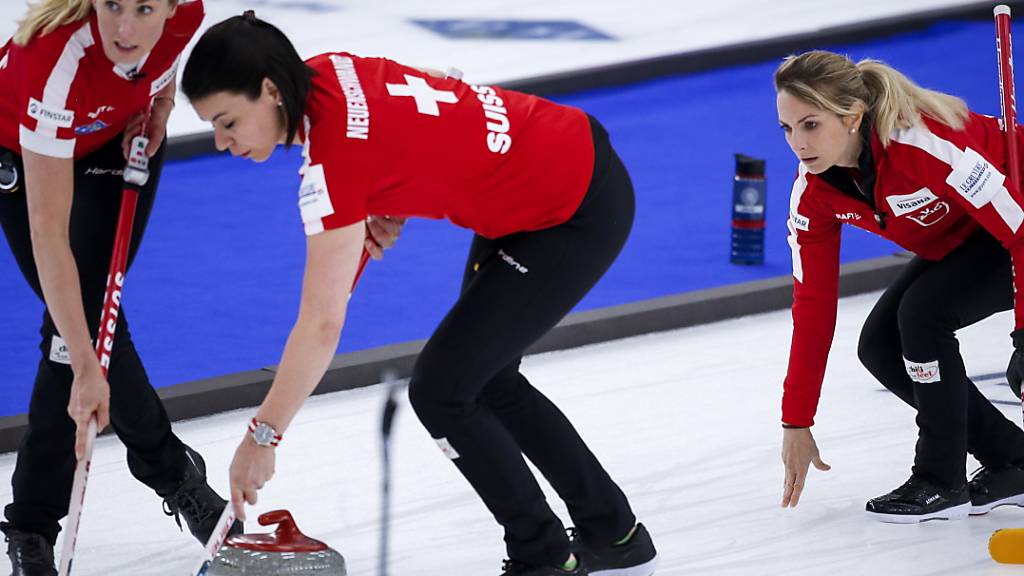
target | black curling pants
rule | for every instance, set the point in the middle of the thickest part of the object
(46, 460)
(915, 323)
(466, 386)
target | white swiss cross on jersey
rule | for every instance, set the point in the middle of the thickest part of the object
(425, 96)
(383, 138)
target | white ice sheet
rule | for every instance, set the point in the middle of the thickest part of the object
(686, 422)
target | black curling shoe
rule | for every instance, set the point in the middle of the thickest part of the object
(991, 487)
(196, 501)
(514, 568)
(918, 500)
(30, 554)
(634, 557)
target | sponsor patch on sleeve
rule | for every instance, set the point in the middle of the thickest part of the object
(800, 222)
(314, 199)
(164, 79)
(50, 116)
(975, 179)
(925, 373)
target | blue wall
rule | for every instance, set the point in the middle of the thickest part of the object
(216, 285)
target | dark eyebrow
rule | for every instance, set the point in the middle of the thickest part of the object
(218, 115)
(800, 120)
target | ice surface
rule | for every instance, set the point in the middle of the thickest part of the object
(686, 421)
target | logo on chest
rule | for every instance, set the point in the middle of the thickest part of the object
(90, 128)
(48, 115)
(922, 207)
(100, 110)
(97, 124)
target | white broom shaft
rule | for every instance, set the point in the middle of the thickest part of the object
(217, 538)
(77, 498)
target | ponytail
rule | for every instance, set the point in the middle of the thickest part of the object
(46, 15)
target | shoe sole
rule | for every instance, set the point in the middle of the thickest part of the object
(958, 512)
(1017, 500)
(645, 569)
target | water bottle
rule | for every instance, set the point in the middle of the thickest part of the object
(748, 206)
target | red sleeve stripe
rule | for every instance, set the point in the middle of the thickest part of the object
(796, 222)
(44, 138)
(971, 175)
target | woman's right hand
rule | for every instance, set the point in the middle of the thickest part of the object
(381, 233)
(90, 394)
(799, 451)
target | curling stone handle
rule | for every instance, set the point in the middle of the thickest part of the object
(276, 517)
(287, 531)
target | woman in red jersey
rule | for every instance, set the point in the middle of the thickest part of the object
(76, 78)
(551, 205)
(917, 167)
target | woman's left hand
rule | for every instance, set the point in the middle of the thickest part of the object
(251, 469)
(156, 130)
(381, 233)
(799, 451)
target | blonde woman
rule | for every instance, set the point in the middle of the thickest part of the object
(917, 167)
(75, 79)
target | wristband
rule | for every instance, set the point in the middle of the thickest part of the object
(168, 98)
(264, 434)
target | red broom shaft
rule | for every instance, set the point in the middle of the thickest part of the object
(115, 278)
(1004, 48)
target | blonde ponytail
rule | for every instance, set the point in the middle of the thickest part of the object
(888, 99)
(46, 15)
(896, 102)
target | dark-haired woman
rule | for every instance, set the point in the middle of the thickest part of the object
(76, 77)
(551, 205)
(917, 167)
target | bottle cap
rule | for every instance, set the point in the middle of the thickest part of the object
(749, 166)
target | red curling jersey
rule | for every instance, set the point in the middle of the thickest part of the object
(60, 96)
(383, 138)
(935, 186)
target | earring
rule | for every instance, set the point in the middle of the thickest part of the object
(852, 130)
